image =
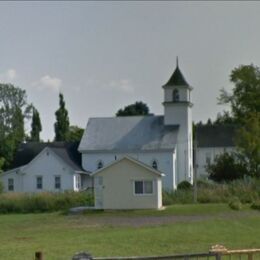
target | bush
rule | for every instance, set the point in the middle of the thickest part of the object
(235, 204)
(247, 191)
(1, 187)
(43, 202)
(226, 167)
(184, 185)
(256, 205)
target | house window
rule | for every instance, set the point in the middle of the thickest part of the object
(11, 184)
(175, 95)
(57, 182)
(143, 187)
(155, 164)
(39, 182)
(100, 165)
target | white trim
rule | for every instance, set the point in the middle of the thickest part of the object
(152, 170)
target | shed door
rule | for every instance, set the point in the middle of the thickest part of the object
(99, 192)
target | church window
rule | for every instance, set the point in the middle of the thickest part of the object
(155, 164)
(11, 184)
(100, 165)
(175, 95)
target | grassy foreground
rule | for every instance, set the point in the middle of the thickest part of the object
(60, 236)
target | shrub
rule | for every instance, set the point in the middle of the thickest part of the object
(235, 204)
(256, 205)
(226, 167)
(177, 197)
(43, 202)
(247, 191)
(1, 187)
(184, 185)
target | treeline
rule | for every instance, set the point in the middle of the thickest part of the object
(15, 110)
(244, 101)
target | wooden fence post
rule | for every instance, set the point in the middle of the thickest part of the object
(38, 255)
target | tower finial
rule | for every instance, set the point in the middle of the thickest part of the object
(177, 62)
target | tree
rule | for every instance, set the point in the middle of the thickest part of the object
(138, 108)
(226, 167)
(13, 110)
(245, 96)
(75, 134)
(62, 123)
(36, 126)
(245, 108)
(248, 143)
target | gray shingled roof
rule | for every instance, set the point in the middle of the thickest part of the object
(67, 151)
(216, 135)
(132, 133)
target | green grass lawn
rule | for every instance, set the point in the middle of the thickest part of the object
(60, 236)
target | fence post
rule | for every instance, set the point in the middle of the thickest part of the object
(250, 256)
(38, 255)
(82, 256)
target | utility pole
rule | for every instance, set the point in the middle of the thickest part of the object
(195, 166)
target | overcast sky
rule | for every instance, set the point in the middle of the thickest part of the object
(105, 55)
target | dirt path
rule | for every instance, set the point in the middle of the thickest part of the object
(139, 221)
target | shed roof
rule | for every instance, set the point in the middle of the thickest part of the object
(216, 135)
(66, 151)
(132, 133)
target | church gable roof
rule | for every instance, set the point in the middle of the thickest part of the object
(124, 134)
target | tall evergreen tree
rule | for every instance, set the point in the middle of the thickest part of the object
(36, 126)
(62, 123)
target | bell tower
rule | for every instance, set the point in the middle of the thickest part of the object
(177, 111)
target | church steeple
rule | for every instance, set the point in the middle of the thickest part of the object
(177, 78)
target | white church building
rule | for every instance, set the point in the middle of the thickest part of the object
(161, 142)
(147, 153)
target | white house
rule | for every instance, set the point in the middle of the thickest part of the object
(163, 142)
(127, 184)
(45, 167)
(213, 140)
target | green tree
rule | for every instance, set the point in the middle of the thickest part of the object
(13, 110)
(75, 133)
(36, 126)
(62, 123)
(245, 108)
(138, 108)
(226, 167)
(245, 96)
(248, 143)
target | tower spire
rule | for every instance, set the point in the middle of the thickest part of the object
(177, 62)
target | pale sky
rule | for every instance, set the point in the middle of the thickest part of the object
(105, 55)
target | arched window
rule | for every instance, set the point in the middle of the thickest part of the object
(155, 164)
(175, 95)
(100, 165)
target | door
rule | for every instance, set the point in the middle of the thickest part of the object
(98, 183)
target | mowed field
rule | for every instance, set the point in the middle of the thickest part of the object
(178, 229)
